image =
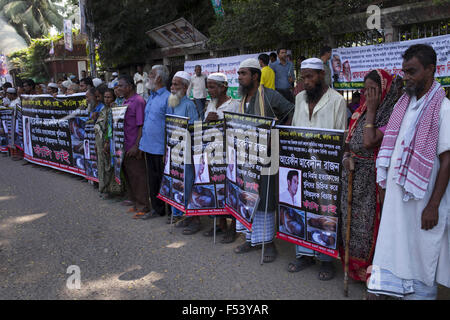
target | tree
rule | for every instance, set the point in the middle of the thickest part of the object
(120, 26)
(32, 18)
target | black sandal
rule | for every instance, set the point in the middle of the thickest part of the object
(327, 271)
(192, 228)
(245, 247)
(229, 236)
(210, 233)
(300, 263)
(270, 253)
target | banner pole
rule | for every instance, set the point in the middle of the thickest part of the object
(215, 229)
(265, 218)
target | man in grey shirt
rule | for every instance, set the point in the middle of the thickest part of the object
(284, 75)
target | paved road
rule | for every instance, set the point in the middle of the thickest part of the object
(50, 220)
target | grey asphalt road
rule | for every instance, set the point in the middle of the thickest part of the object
(50, 220)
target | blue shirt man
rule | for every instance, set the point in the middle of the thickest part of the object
(284, 75)
(153, 131)
(186, 108)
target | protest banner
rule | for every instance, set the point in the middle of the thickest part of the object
(227, 65)
(174, 188)
(90, 152)
(208, 156)
(5, 127)
(247, 143)
(350, 65)
(117, 142)
(54, 131)
(309, 187)
(18, 127)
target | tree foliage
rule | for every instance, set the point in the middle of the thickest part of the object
(121, 26)
(32, 18)
(31, 61)
(257, 23)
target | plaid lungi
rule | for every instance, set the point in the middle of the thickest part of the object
(257, 235)
(384, 282)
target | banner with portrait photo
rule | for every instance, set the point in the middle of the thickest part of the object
(6, 115)
(247, 142)
(90, 152)
(116, 145)
(208, 156)
(53, 132)
(18, 127)
(177, 151)
(350, 65)
(309, 187)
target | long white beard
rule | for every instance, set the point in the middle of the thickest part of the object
(174, 99)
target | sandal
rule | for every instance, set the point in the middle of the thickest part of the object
(300, 263)
(182, 222)
(270, 253)
(245, 247)
(192, 228)
(327, 271)
(210, 233)
(139, 215)
(229, 236)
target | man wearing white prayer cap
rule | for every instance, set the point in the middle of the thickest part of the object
(217, 85)
(97, 82)
(52, 88)
(261, 101)
(65, 85)
(181, 105)
(318, 106)
(114, 81)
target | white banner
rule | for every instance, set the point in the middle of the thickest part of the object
(226, 65)
(349, 66)
(68, 44)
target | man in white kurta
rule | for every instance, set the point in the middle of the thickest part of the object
(403, 247)
(411, 257)
(329, 111)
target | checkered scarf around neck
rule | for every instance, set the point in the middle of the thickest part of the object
(413, 168)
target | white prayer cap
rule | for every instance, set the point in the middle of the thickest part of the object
(97, 82)
(183, 75)
(250, 63)
(115, 74)
(11, 90)
(218, 77)
(312, 63)
(52, 85)
(66, 83)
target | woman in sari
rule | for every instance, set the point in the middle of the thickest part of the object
(108, 187)
(365, 134)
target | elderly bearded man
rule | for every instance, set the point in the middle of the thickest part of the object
(318, 106)
(272, 105)
(134, 162)
(153, 133)
(412, 253)
(181, 105)
(217, 84)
